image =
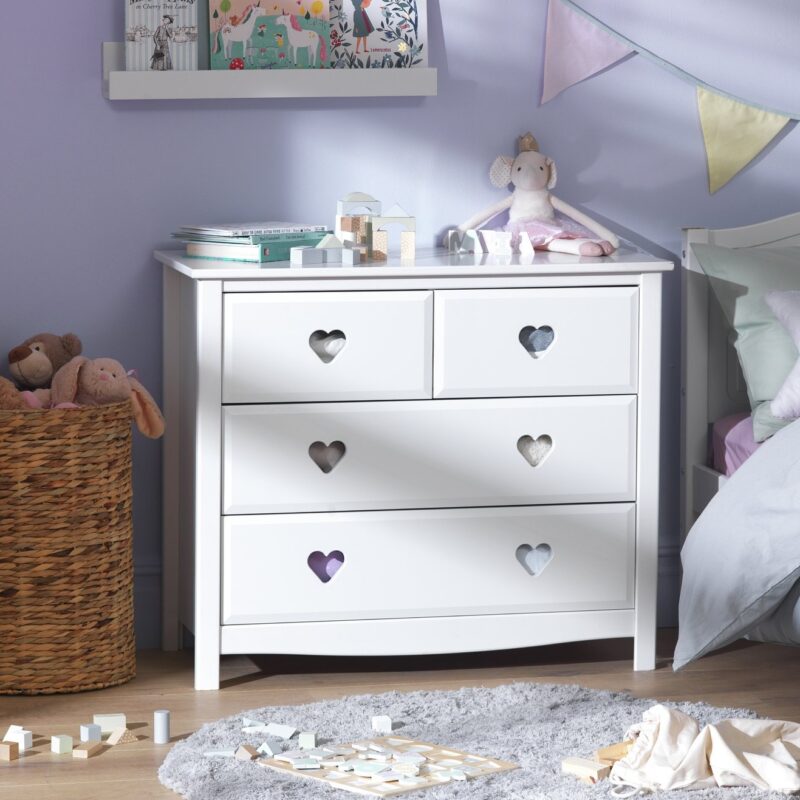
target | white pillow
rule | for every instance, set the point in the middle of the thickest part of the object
(786, 307)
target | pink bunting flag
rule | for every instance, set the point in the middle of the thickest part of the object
(575, 49)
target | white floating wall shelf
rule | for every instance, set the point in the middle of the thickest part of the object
(223, 84)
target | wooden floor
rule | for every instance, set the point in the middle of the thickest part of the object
(762, 677)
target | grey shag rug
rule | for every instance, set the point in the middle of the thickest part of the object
(532, 724)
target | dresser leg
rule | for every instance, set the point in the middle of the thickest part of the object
(206, 664)
(644, 651)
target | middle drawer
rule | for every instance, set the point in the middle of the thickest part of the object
(428, 454)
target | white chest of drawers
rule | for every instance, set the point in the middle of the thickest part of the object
(455, 455)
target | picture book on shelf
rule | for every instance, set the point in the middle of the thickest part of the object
(161, 34)
(379, 33)
(269, 34)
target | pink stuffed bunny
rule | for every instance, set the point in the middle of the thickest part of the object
(103, 381)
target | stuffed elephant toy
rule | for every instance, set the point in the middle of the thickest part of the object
(103, 381)
(531, 208)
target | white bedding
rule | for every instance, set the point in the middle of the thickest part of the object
(741, 560)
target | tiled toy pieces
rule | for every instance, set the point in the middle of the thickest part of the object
(411, 766)
(245, 752)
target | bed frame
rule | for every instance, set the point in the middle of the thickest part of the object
(712, 385)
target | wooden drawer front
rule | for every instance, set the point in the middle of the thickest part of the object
(270, 356)
(438, 453)
(489, 343)
(427, 563)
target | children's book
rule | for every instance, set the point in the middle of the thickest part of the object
(161, 34)
(379, 33)
(252, 228)
(269, 34)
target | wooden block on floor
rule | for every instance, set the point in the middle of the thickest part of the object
(613, 752)
(60, 745)
(110, 722)
(9, 751)
(382, 724)
(87, 749)
(121, 736)
(90, 733)
(246, 752)
(588, 771)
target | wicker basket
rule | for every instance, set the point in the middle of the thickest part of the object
(66, 563)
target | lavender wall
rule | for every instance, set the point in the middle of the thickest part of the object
(89, 187)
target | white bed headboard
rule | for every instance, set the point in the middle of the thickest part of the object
(712, 383)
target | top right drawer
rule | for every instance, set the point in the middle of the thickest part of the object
(536, 342)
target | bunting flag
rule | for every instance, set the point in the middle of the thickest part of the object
(575, 49)
(735, 131)
(734, 134)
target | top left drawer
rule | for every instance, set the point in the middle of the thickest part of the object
(324, 346)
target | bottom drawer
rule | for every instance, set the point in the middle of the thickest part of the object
(376, 565)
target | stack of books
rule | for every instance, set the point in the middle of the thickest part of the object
(249, 241)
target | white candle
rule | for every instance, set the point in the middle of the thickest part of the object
(161, 726)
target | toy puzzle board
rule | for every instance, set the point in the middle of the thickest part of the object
(440, 761)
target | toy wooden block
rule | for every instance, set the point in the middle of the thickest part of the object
(351, 256)
(60, 745)
(525, 246)
(90, 733)
(396, 216)
(588, 771)
(87, 749)
(331, 248)
(613, 752)
(308, 740)
(303, 256)
(382, 724)
(267, 749)
(380, 245)
(358, 203)
(110, 722)
(9, 751)
(408, 245)
(121, 736)
(284, 732)
(246, 752)
(12, 732)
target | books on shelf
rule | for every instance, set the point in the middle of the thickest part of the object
(252, 242)
(380, 34)
(161, 35)
(269, 34)
(251, 229)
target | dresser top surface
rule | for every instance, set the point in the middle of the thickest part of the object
(431, 263)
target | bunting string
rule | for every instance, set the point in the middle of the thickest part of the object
(735, 130)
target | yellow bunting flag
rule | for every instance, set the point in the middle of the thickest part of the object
(734, 134)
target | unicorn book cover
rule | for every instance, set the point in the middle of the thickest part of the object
(379, 33)
(269, 34)
(161, 34)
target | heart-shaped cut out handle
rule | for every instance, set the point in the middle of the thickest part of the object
(327, 456)
(535, 451)
(536, 340)
(327, 345)
(325, 566)
(534, 559)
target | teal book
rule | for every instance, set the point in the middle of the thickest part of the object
(257, 253)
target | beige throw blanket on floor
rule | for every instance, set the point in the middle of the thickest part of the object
(671, 752)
